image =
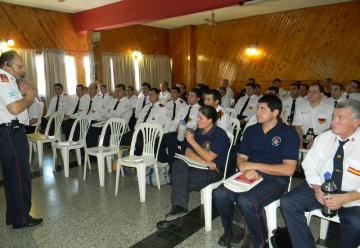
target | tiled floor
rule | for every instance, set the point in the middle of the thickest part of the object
(79, 213)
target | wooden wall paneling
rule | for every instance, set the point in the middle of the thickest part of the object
(176, 53)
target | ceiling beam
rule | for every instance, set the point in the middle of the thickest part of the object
(131, 12)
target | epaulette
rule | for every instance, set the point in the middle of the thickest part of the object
(4, 78)
(161, 105)
(220, 113)
(181, 100)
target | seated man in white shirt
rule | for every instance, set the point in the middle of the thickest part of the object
(61, 102)
(176, 104)
(130, 93)
(315, 114)
(258, 90)
(283, 94)
(337, 94)
(352, 90)
(304, 88)
(336, 152)
(292, 104)
(225, 100)
(246, 106)
(213, 98)
(229, 92)
(35, 112)
(119, 108)
(183, 92)
(143, 99)
(165, 95)
(153, 112)
(106, 99)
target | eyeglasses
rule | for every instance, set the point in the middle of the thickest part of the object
(20, 66)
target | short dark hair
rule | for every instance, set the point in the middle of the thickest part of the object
(273, 102)
(121, 86)
(176, 88)
(296, 84)
(156, 90)
(209, 112)
(215, 95)
(58, 85)
(321, 88)
(258, 86)
(130, 87)
(145, 84)
(80, 86)
(305, 85)
(6, 57)
(338, 84)
(252, 85)
(197, 92)
(222, 89)
(275, 89)
(277, 80)
(251, 80)
(357, 83)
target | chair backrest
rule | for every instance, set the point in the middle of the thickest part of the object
(150, 132)
(231, 112)
(232, 141)
(118, 127)
(57, 118)
(235, 128)
(84, 124)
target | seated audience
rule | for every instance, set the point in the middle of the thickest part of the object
(304, 88)
(143, 98)
(176, 104)
(165, 94)
(133, 100)
(225, 100)
(213, 98)
(245, 107)
(352, 90)
(258, 90)
(208, 144)
(315, 114)
(327, 86)
(292, 104)
(35, 111)
(269, 149)
(337, 94)
(335, 151)
(105, 96)
(229, 92)
(282, 93)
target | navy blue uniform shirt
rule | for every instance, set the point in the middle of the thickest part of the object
(216, 140)
(278, 144)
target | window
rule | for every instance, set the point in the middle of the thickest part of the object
(70, 72)
(112, 79)
(87, 70)
(40, 72)
(137, 75)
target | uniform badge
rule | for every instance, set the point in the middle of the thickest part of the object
(250, 107)
(189, 120)
(321, 120)
(4, 78)
(206, 145)
(276, 141)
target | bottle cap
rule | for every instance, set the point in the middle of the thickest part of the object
(327, 175)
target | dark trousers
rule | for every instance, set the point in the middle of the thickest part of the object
(126, 141)
(302, 199)
(43, 125)
(186, 179)
(251, 204)
(66, 126)
(172, 144)
(14, 157)
(93, 135)
(29, 129)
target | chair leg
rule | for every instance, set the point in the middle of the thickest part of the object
(141, 175)
(101, 169)
(207, 197)
(78, 156)
(157, 175)
(324, 225)
(40, 153)
(108, 163)
(65, 157)
(30, 151)
(54, 155)
(271, 218)
(85, 165)
(118, 166)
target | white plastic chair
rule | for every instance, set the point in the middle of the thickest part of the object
(235, 125)
(37, 126)
(231, 112)
(206, 193)
(150, 133)
(117, 127)
(324, 222)
(40, 140)
(271, 215)
(66, 146)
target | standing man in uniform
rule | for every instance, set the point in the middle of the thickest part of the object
(14, 146)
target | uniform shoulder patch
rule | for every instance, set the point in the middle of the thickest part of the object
(161, 105)
(4, 78)
(181, 101)
(220, 113)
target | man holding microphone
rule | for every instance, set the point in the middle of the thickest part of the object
(13, 142)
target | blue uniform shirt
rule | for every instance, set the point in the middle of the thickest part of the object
(280, 143)
(217, 141)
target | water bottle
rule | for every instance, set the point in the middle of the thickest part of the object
(181, 131)
(328, 187)
(309, 137)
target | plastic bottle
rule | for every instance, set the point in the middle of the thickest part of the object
(328, 187)
(181, 131)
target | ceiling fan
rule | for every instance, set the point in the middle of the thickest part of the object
(211, 21)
